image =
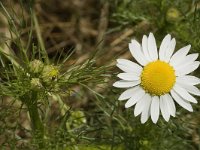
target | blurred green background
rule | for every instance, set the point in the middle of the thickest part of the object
(96, 119)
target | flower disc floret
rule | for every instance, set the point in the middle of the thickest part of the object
(158, 78)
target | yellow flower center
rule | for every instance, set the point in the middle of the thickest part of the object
(158, 78)
(54, 72)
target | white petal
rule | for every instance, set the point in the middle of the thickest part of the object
(145, 48)
(128, 76)
(124, 68)
(126, 84)
(165, 43)
(189, 59)
(180, 101)
(133, 67)
(135, 97)
(152, 47)
(184, 94)
(170, 50)
(140, 105)
(136, 52)
(164, 109)
(128, 93)
(155, 109)
(187, 69)
(188, 80)
(191, 89)
(146, 110)
(179, 55)
(170, 104)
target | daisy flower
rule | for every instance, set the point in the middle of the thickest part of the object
(159, 79)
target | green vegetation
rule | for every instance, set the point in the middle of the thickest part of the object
(57, 66)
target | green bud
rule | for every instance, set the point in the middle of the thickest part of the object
(36, 66)
(172, 15)
(35, 83)
(76, 119)
(49, 72)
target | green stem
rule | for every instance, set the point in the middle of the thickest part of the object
(37, 125)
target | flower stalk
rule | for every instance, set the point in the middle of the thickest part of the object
(36, 122)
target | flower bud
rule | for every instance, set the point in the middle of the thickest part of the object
(172, 15)
(36, 66)
(76, 119)
(35, 83)
(49, 72)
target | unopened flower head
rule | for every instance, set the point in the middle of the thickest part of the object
(50, 72)
(35, 83)
(36, 66)
(172, 15)
(158, 79)
(76, 119)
